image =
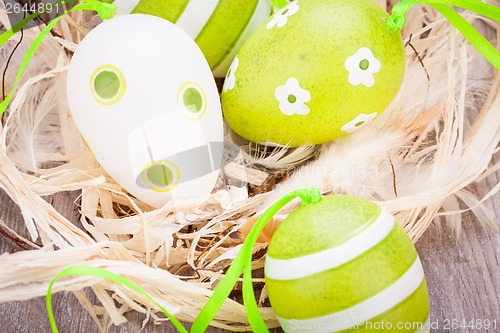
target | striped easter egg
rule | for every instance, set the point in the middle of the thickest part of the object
(345, 264)
(219, 27)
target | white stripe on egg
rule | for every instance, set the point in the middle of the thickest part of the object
(364, 311)
(196, 15)
(295, 268)
(261, 13)
(125, 6)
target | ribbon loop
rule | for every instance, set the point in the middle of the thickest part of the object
(102, 273)
(244, 261)
(397, 21)
(104, 10)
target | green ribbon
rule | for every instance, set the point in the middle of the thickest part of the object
(242, 262)
(105, 11)
(102, 273)
(397, 20)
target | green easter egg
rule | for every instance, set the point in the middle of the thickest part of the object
(344, 264)
(219, 27)
(317, 70)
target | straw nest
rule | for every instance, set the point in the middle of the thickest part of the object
(417, 161)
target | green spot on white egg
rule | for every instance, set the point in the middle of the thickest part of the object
(160, 175)
(107, 84)
(193, 99)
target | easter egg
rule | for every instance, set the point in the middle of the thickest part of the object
(143, 97)
(219, 27)
(317, 70)
(343, 263)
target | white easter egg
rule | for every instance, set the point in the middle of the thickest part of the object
(219, 27)
(145, 101)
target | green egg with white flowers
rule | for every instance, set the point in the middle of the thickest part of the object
(315, 71)
(344, 264)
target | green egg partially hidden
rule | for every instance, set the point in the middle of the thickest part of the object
(315, 71)
(344, 264)
(219, 27)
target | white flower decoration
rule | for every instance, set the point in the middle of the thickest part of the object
(291, 98)
(358, 122)
(230, 80)
(361, 66)
(280, 18)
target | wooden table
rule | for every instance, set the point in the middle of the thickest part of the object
(463, 275)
